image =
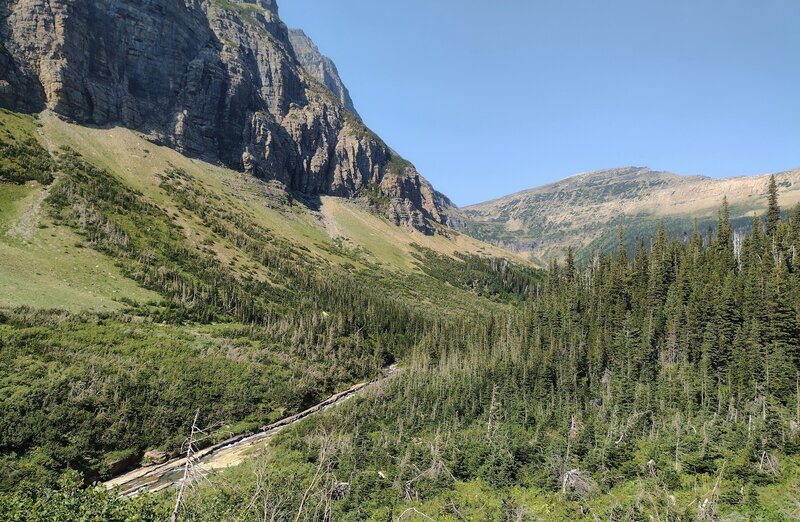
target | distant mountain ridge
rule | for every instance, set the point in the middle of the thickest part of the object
(585, 210)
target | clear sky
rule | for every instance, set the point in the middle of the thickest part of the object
(491, 97)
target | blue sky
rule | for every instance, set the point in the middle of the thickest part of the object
(488, 98)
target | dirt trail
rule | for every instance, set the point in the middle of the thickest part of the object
(225, 454)
(25, 227)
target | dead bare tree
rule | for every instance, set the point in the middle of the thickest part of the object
(494, 406)
(677, 442)
(707, 509)
(629, 424)
(574, 429)
(191, 469)
(271, 502)
(323, 467)
(411, 511)
(437, 467)
(795, 425)
(769, 464)
(188, 468)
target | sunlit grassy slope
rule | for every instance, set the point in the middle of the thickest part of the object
(388, 244)
(45, 265)
(139, 162)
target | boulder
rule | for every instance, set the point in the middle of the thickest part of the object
(155, 457)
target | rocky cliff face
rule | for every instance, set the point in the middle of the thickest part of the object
(215, 79)
(320, 67)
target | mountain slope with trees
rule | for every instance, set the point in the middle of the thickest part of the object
(147, 284)
(198, 237)
(661, 382)
(662, 385)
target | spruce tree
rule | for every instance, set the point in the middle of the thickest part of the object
(794, 217)
(773, 210)
(570, 268)
(782, 326)
(726, 260)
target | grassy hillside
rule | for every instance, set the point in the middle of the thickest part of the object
(44, 265)
(338, 224)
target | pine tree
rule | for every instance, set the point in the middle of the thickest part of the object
(660, 269)
(727, 260)
(782, 326)
(794, 217)
(773, 210)
(728, 320)
(695, 242)
(570, 268)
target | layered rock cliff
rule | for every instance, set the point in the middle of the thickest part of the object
(320, 67)
(215, 79)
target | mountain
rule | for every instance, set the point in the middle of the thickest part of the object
(216, 283)
(585, 210)
(333, 231)
(320, 67)
(148, 273)
(141, 289)
(214, 79)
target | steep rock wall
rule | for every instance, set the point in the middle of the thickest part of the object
(215, 79)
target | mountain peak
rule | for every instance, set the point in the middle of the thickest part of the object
(621, 174)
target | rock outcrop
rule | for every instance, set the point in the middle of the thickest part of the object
(214, 79)
(17, 89)
(320, 67)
